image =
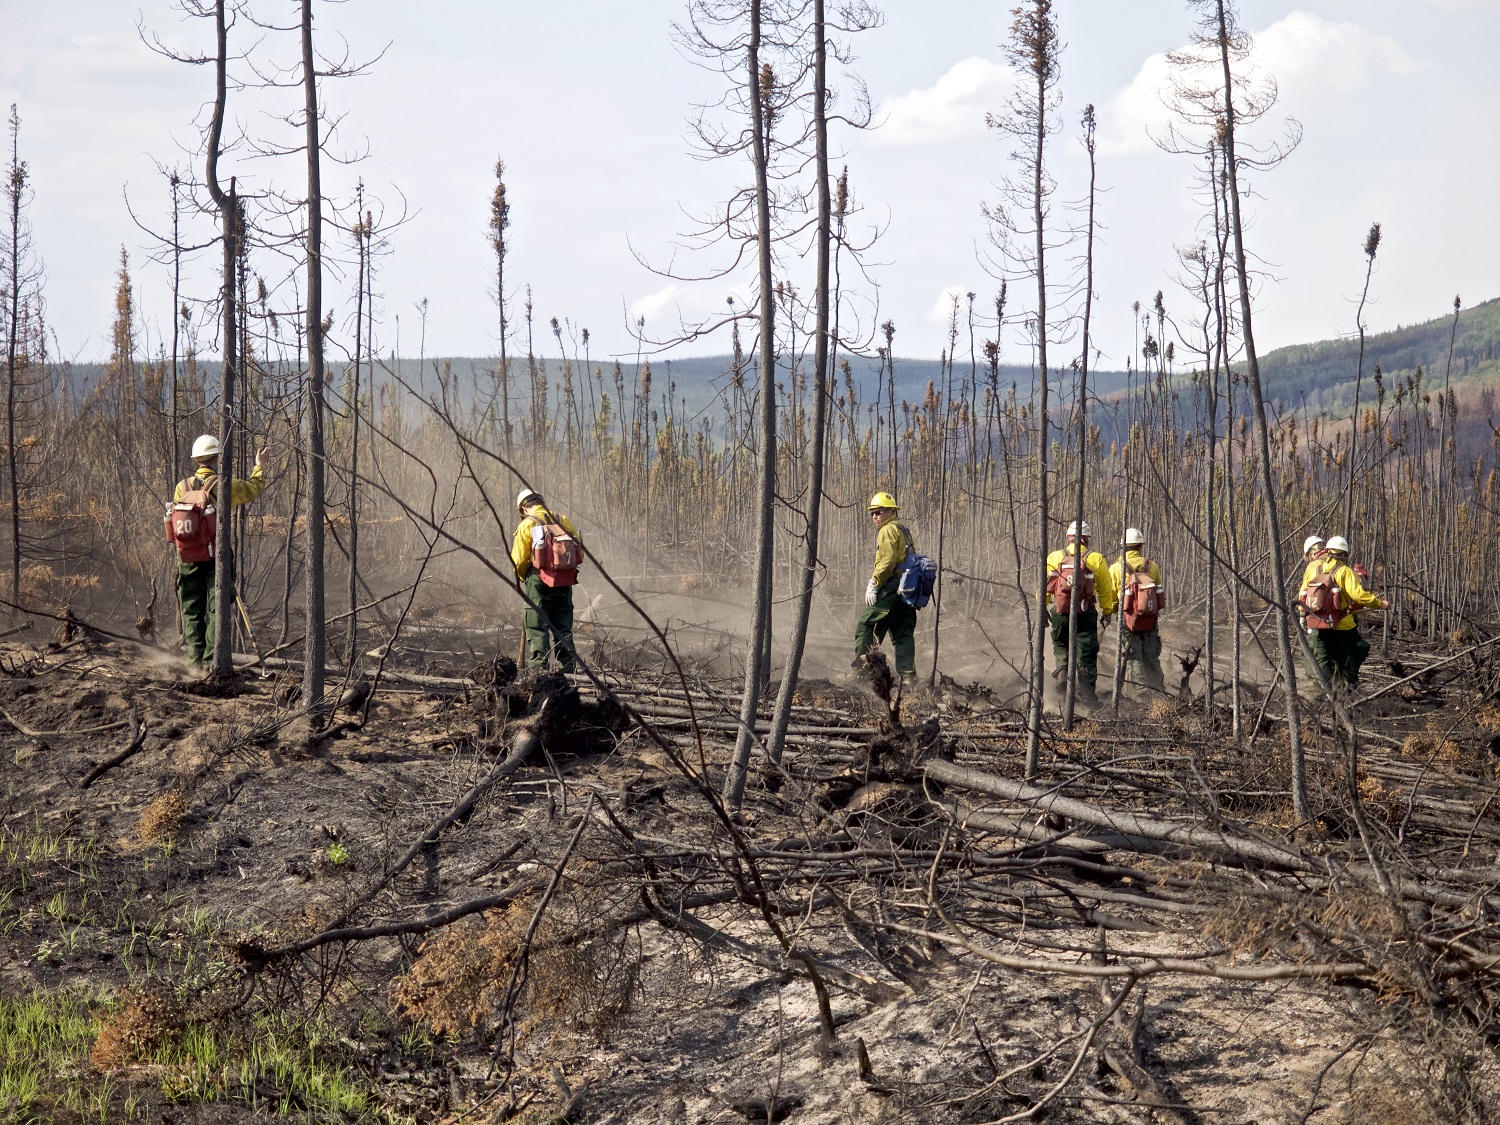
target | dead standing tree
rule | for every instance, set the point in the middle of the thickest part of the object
(848, 18)
(1234, 45)
(499, 224)
(1091, 147)
(760, 88)
(317, 639)
(1371, 247)
(740, 38)
(1034, 50)
(229, 208)
(19, 272)
(1211, 89)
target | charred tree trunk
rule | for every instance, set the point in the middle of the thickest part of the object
(316, 643)
(1080, 554)
(821, 361)
(1277, 586)
(15, 187)
(759, 99)
(1036, 45)
(230, 231)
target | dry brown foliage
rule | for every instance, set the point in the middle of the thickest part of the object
(149, 1021)
(1488, 716)
(1426, 747)
(162, 816)
(579, 986)
(1162, 710)
(1382, 801)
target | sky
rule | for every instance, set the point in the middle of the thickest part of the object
(589, 105)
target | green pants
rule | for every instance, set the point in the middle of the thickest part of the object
(1087, 645)
(1143, 659)
(549, 627)
(888, 616)
(195, 595)
(1339, 652)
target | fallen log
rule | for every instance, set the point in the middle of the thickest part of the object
(137, 740)
(526, 744)
(256, 956)
(29, 733)
(1045, 837)
(1121, 821)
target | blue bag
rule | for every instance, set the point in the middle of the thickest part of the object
(918, 576)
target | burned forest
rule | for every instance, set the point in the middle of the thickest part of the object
(516, 738)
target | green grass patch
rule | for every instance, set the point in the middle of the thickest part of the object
(45, 1039)
(276, 1062)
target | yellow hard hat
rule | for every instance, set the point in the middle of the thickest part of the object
(883, 500)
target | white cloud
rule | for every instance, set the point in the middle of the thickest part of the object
(952, 109)
(1306, 47)
(942, 308)
(652, 303)
(1310, 58)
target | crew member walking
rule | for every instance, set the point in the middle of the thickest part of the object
(191, 524)
(1142, 599)
(886, 612)
(546, 553)
(1095, 591)
(1331, 595)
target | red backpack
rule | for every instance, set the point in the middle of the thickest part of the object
(192, 522)
(1141, 600)
(1063, 584)
(1322, 601)
(555, 554)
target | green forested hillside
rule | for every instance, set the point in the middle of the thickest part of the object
(1322, 374)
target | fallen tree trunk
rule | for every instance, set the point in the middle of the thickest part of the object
(526, 744)
(137, 740)
(1120, 821)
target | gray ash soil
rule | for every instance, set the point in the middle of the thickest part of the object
(233, 829)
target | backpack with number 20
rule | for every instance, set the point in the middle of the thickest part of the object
(191, 521)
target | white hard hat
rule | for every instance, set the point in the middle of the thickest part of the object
(206, 446)
(1338, 544)
(527, 494)
(1311, 544)
(1078, 530)
(1134, 538)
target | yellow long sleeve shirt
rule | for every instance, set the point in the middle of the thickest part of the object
(1134, 560)
(520, 546)
(890, 550)
(1105, 595)
(1352, 593)
(240, 491)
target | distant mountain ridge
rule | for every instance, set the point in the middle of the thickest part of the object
(1319, 375)
(1323, 373)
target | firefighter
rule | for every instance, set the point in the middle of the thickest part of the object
(1096, 597)
(1142, 641)
(885, 611)
(549, 616)
(195, 580)
(1339, 650)
(1312, 551)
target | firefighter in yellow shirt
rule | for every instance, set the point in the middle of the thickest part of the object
(1095, 590)
(885, 611)
(1338, 650)
(1143, 648)
(195, 580)
(549, 617)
